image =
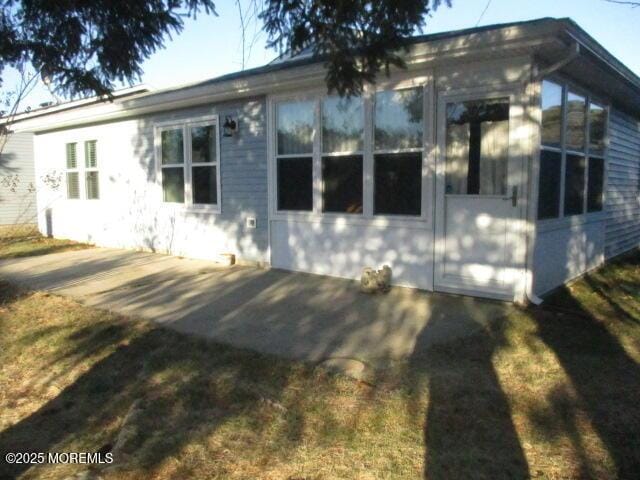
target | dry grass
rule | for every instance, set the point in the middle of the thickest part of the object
(25, 240)
(543, 394)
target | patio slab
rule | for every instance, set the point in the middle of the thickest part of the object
(290, 314)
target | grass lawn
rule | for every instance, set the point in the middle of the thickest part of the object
(549, 393)
(25, 240)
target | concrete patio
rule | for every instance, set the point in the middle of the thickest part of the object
(289, 314)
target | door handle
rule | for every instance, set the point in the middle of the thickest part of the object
(513, 197)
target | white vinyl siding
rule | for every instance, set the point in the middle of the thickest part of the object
(622, 203)
(16, 160)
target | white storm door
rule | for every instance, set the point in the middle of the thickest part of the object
(477, 189)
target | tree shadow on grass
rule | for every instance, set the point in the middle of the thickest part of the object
(184, 388)
(468, 429)
(605, 377)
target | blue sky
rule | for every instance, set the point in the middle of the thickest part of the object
(211, 46)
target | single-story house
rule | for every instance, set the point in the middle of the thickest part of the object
(503, 162)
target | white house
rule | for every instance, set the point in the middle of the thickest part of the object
(503, 162)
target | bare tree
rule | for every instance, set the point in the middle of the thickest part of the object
(250, 27)
(13, 100)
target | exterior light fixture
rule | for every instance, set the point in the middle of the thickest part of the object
(229, 127)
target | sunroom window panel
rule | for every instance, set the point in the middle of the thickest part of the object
(597, 127)
(342, 124)
(398, 119)
(295, 121)
(204, 186)
(595, 186)
(173, 184)
(551, 114)
(549, 184)
(172, 146)
(574, 181)
(342, 179)
(295, 183)
(203, 144)
(398, 183)
(576, 122)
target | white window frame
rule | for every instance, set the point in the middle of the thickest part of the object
(562, 220)
(422, 149)
(90, 169)
(346, 153)
(403, 82)
(185, 125)
(68, 170)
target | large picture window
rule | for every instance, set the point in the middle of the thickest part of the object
(190, 163)
(573, 136)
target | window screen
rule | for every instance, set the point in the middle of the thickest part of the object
(574, 185)
(295, 182)
(549, 184)
(596, 184)
(295, 129)
(398, 150)
(398, 183)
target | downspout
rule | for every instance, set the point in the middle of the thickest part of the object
(537, 76)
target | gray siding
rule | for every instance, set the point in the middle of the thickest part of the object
(623, 185)
(243, 169)
(16, 160)
(130, 212)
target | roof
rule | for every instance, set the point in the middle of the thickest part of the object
(82, 102)
(263, 79)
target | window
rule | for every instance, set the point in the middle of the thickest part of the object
(190, 163)
(595, 171)
(551, 114)
(204, 165)
(477, 150)
(574, 184)
(342, 169)
(398, 147)
(295, 129)
(73, 175)
(575, 163)
(551, 150)
(172, 149)
(550, 181)
(576, 122)
(356, 156)
(596, 183)
(92, 183)
(579, 152)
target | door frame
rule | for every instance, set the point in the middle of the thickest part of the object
(519, 150)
